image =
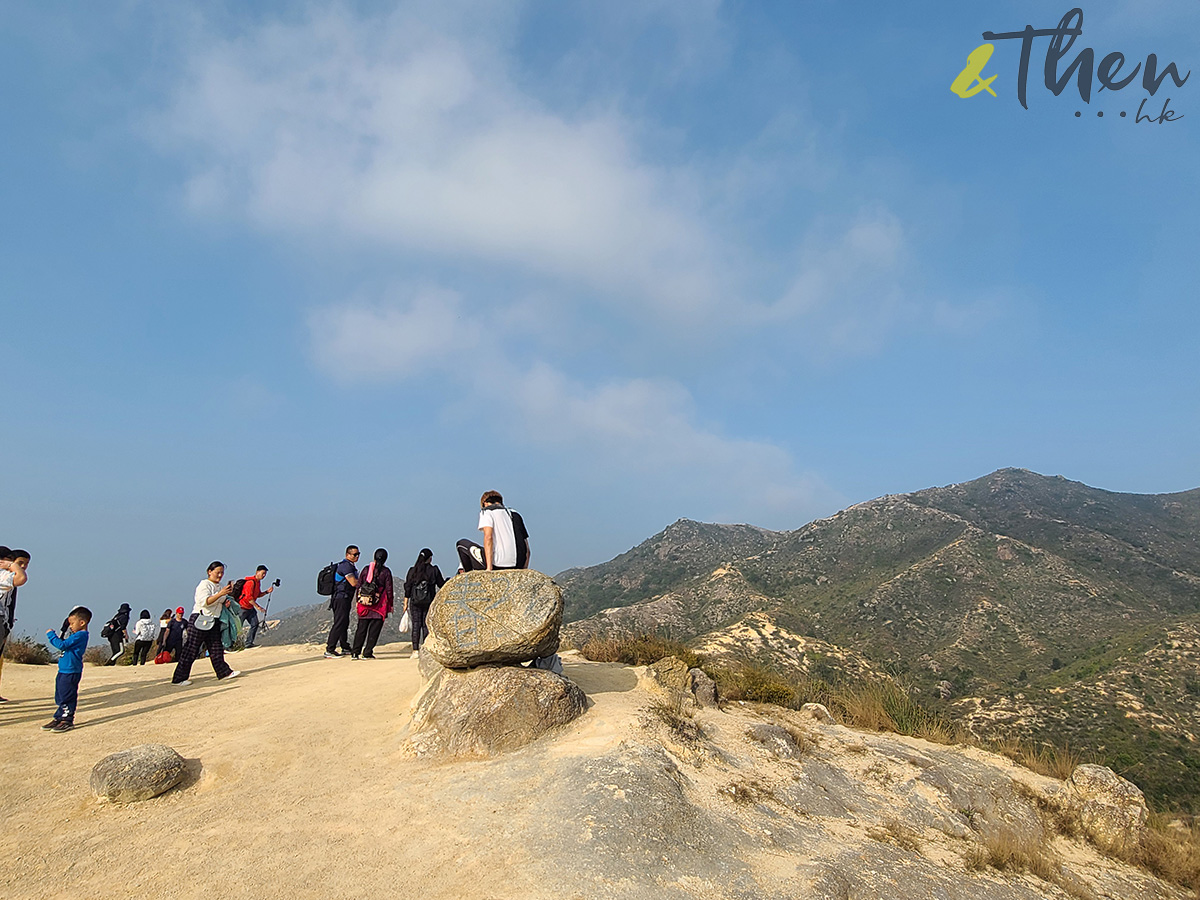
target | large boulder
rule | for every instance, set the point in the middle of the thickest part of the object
(489, 710)
(507, 616)
(137, 774)
(1112, 810)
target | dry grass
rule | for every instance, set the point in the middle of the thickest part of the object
(883, 705)
(1007, 851)
(757, 684)
(749, 790)
(684, 728)
(1172, 853)
(97, 656)
(896, 833)
(639, 650)
(27, 651)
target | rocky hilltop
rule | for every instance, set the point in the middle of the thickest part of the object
(650, 794)
(1016, 603)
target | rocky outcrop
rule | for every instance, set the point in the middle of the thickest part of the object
(137, 774)
(481, 618)
(703, 688)
(490, 709)
(1112, 810)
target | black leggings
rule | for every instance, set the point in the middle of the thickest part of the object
(140, 649)
(365, 636)
(419, 630)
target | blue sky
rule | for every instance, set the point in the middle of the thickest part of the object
(275, 278)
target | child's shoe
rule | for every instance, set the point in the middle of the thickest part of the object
(63, 725)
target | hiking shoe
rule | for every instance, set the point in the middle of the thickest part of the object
(51, 725)
(64, 725)
(333, 654)
(182, 683)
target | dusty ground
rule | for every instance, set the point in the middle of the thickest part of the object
(300, 788)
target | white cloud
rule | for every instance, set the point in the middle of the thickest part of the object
(356, 126)
(384, 341)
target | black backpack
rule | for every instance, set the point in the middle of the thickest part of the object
(236, 595)
(110, 628)
(422, 594)
(367, 593)
(522, 538)
(325, 580)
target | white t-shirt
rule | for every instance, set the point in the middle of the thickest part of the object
(204, 592)
(504, 547)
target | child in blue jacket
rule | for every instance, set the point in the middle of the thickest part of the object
(70, 668)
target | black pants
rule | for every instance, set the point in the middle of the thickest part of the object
(117, 643)
(368, 631)
(470, 554)
(140, 649)
(419, 629)
(250, 618)
(66, 695)
(339, 632)
(193, 640)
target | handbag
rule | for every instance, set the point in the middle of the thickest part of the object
(367, 589)
(164, 656)
(204, 622)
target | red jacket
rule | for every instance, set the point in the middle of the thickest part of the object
(251, 591)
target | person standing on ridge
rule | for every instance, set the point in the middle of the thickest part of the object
(117, 633)
(13, 564)
(203, 630)
(376, 598)
(143, 637)
(249, 607)
(422, 583)
(505, 540)
(345, 580)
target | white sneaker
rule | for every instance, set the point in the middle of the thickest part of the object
(416, 654)
(184, 683)
(234, 674)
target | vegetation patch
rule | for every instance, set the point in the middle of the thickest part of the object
(27, 651)
(637, 650)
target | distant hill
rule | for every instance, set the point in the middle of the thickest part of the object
(1015, 601)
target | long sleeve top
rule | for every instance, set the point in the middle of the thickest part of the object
(72, 647)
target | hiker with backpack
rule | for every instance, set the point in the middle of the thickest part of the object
(116, 633)
(338, 581)
(376, 598)
(248, 592)
(505, 540)
(422, 583)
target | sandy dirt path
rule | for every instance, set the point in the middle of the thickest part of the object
(299, 788)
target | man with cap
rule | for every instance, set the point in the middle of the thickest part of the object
(248, 602)
(175, 632)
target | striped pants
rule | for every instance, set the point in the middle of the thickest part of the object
(192, 642)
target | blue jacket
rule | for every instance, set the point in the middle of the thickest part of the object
(72, 647)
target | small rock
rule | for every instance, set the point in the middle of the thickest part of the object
(506, 616)
(669, 678)
(703, 688)
(779, 741)
(818, 712)
(137, 774)
(1112, 810)
(944, 690)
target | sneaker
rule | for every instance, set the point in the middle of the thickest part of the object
(368, 656)
(64, 725)
(333, 654)
(51, 725)
(355, 656)
(234, 674)
(182, 683)
(250, 646)
(416, 654)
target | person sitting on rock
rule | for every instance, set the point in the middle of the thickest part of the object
(505, 540)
